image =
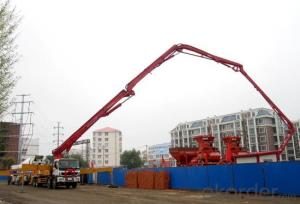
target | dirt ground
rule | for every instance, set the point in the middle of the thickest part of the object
(90, 194)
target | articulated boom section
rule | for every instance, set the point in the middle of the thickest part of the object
(128, 92)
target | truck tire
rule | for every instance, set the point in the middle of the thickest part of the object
(74, 185)
(54, 184)
(9, 180)
(49, 184)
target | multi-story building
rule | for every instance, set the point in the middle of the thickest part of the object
(107, 147)
(296, 141)
(260, 129)
(9, 140)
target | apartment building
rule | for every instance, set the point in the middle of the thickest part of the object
(260, 129)
(107, 147)
(9, 139)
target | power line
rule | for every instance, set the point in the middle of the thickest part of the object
(58, 132)
(20, 116)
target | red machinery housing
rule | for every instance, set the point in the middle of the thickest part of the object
(233, 148)
(128, 92)
(183, 155)
(207, 153)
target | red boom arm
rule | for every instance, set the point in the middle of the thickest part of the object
(128, 92)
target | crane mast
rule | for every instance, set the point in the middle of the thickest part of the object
(117, 101)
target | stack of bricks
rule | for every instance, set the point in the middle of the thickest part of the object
(146, 179)
(131, 179)
(162, 180)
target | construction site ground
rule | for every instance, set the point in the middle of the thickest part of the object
(91, 194)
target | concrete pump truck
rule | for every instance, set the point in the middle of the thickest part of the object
(65, 171)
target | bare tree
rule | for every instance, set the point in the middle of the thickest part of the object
(9, 21)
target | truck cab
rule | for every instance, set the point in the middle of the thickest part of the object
(65, 172)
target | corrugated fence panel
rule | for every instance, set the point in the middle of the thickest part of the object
(90, 178)
(119, 176)
(220, 177)
(276, 178)
(283, 178)
(193, 178)
(3, 178)
(249, 178)
(104, 178)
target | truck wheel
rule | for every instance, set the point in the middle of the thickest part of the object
(54, 184)
(74, 185)
(68, 186)
(49, 184)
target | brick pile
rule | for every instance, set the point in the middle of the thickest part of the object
(162, 180)
(146, 179)
(131, 179)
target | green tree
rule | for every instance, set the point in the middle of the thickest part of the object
(82, 162)
(131, 159)
(6, 162)
(8, 54)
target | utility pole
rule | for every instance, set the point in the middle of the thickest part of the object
(23, 138)
(58, 133)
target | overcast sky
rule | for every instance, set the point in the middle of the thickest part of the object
(77, 55)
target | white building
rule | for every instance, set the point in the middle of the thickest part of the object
(107, 147)
(260, 129)
(157, 153)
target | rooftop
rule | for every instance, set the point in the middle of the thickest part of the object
(107, 129)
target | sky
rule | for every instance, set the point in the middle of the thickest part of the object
(76, 55)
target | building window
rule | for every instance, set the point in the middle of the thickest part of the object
(106, 156)
(99, 133)
(99, 139)
(262, 139)
(252, 140)
(106, 134)
(106, 150)
(99, 156)
(263, 148)
(99, 150)
(106, 161)
(106, 139)
(250, 122)
(261, 130)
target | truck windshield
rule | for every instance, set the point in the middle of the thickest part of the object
(65, 164)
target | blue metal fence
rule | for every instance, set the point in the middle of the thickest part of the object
(104, 178)
(276, 178)
(90, 178)
(3, 178)
(118, 176)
